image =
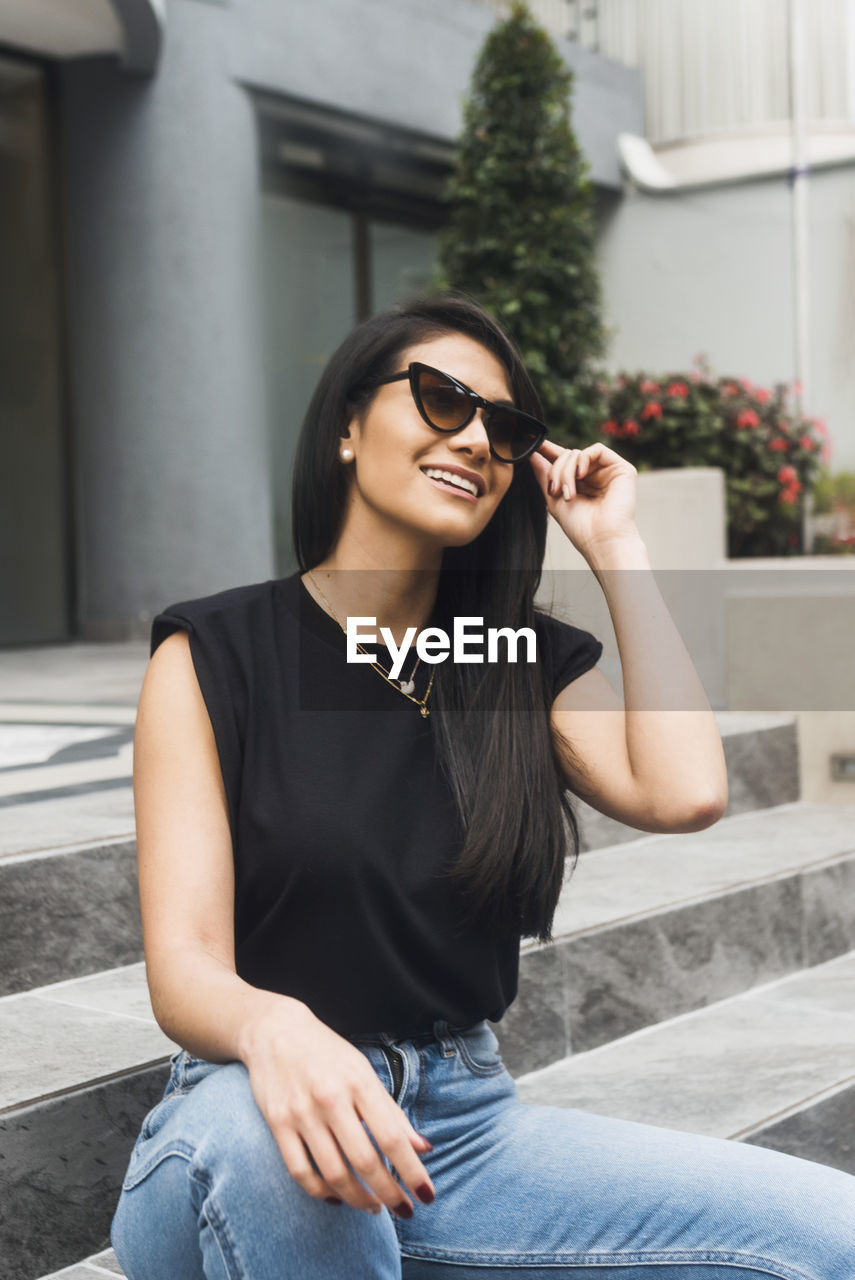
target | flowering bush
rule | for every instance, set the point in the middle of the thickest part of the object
(769, 451)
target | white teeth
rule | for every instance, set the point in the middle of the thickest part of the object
(451, 478)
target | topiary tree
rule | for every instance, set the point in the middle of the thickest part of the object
(520, 232)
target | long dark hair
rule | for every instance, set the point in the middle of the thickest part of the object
(492, 721)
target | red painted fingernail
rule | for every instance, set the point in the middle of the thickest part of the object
(333, 1200)
(404, 1209)
(425, 1194)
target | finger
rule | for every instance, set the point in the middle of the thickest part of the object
(384, 1124)
(298, 1162)
(549, 450)
(332, 1164)
(542, 470)
(366, 1162)
(564, 474)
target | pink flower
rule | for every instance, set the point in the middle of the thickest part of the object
(631, 428)
(610, 428)
(819, 426)
(678, 390)
(748, 418)
(653, 409)
(787, 475)
(731, 388)
(778, 444)
(762, 395)
(806, 442)
(789, 494)
(647, 387)
(746, 385)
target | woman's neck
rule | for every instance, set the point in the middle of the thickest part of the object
(355, 584)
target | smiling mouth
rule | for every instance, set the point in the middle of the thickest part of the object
(451, 482)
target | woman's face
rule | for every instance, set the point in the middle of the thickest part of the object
(395, 450)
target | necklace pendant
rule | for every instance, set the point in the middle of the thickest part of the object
(424, 711)
(407, 686)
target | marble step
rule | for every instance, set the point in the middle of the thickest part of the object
(668, 924)
(82, 1063)
(67, 912)
(774, 1066)
(644, 932)
(761, 749)
(68, 896)
(100, 1264)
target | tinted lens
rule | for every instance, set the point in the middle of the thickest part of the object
(445, 405)
(511, 434)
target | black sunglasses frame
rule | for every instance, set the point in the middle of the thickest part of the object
(476, 402)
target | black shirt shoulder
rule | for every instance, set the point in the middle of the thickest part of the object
(222, 611)
(225, 630)
(566, 652)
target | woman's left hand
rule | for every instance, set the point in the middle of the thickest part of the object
(590, 492)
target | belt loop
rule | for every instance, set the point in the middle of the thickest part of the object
(440, 1030)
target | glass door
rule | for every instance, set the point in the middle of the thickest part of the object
(33, 512)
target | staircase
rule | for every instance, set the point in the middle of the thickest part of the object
(723, 958)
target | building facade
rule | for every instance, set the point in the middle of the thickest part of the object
(198, 201)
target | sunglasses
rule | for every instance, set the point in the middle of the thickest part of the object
(448, 405)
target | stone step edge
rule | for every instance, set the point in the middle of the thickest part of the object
(560, 941)
(677, 904)
(770, 1120)
(767, 722)
(91, 1266)
(124, 841)
(83, 1086)
(798, 1108)
(651, 1029)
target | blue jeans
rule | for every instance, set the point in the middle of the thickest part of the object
(521, 1190)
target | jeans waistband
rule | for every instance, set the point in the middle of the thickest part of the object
(438, 1032)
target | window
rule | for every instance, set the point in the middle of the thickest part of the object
(350, 214)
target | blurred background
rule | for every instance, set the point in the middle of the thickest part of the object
(199, 198)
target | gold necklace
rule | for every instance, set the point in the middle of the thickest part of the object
(405, 687)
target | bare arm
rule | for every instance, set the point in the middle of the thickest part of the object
(313, 1086)
(656, 760)
(185, 866)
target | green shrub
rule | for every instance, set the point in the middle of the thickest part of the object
(832, 491)
(771, 454)
(520, 235)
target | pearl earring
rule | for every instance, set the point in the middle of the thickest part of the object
(346, 454)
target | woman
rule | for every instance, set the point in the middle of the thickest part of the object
(338, 859)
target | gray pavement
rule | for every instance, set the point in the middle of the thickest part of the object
(66, 744)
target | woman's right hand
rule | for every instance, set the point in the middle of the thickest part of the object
(314, 1089)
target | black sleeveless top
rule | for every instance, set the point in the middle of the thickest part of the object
(342, 823)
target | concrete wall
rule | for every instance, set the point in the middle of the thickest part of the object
(711, 271)
(680, 515)
(160, 189)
